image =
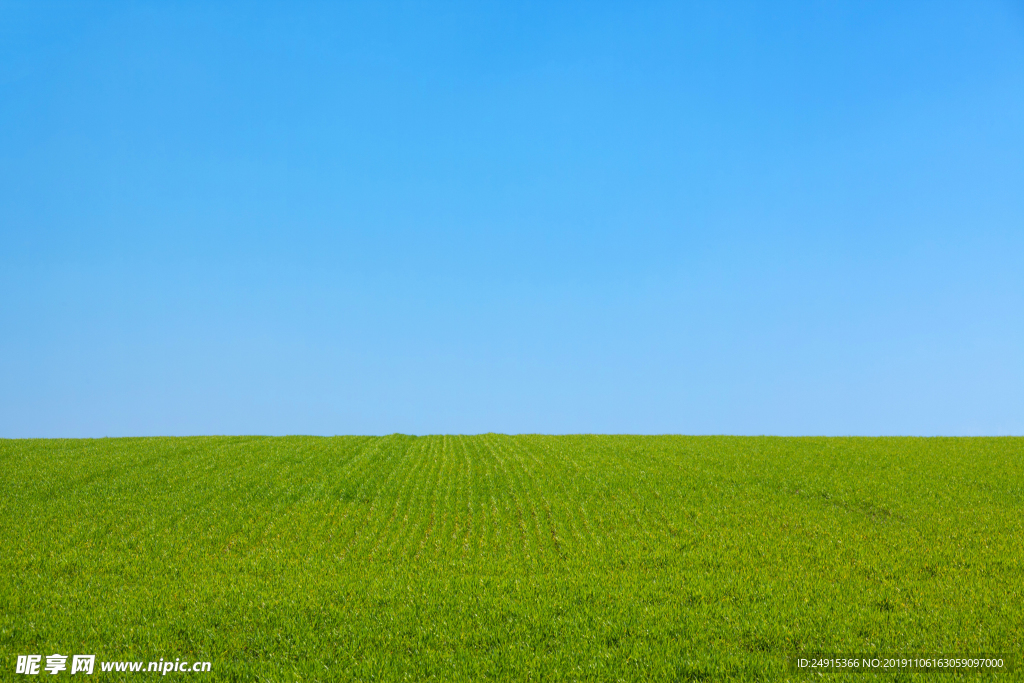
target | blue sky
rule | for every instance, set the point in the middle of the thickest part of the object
(644, 217)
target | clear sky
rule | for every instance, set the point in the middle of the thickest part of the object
(644, 217)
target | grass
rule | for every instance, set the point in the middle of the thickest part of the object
(509, 558)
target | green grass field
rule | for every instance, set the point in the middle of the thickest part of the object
(509, 558)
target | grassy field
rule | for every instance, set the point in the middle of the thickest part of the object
(508, 558)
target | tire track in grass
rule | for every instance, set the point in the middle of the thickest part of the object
(634, 506)
(444, 507)
(450, 511)
(409, 545)
(363, 477)
(563, 467)
(331, 505)
(489, 550)
(340, 454)
(601, 526)
(433, 532)
(244, 483)
(650, 475)
(347, 477)
(441, 509)
(364, 474)
(454, 512)
(441, 457)
(672, 526)
(590, 505)
(412, 462)
(339, 492)
(531, 493)
(542, 479)
(490, 542)
(388, 495)
(478, 492)
(498, 545)
(405, 499)
(450, 530)
(545, 521)
(592, 520)
(464, 510)
(608, 515)
(572, 475)
(374, 485)
(509, 511)
(514, 488)
(307, 502)
(469, 488)
(527, 490)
